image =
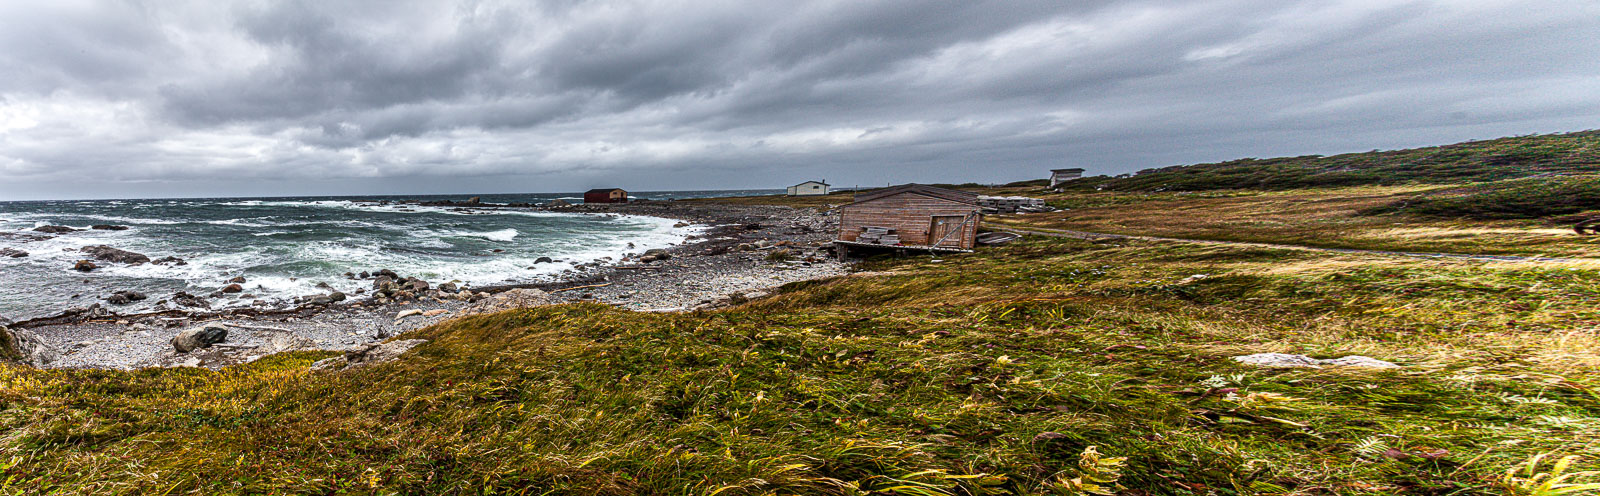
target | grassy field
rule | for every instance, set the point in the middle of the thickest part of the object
(1357, 217)
(1035, 368)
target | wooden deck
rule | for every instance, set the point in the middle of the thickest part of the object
(908, 248)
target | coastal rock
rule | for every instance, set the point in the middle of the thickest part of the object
(407, 313)
(541, 260)
(282, 342)
(22, 345)
(55, 229)
(108, 227)
(448, 287)
(199, 337)
(509, 300)
(369, 355)
(109, 254)
(389, 273)
(435, 312)
(415, 284)
(183, 299)
(237, 280)
(13, 253)
(84, 266)
(337, 296)
(233, 288)
(125, 297)
(1285, 360)
(169, 260)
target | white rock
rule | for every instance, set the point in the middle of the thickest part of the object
(1285, 360)
(407, 313)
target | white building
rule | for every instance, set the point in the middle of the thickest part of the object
(1058, 176)
(809, 188)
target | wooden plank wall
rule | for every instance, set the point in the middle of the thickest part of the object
(910, 215)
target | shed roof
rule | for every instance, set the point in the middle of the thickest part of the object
(824, 183)
(1067, 170)
(921, 189)
(603, 190)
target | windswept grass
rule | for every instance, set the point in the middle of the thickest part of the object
(1037, 368)
(1537, 198)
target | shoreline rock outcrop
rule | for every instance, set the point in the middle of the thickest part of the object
(23, 346)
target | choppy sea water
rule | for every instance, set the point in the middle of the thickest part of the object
(284, 247)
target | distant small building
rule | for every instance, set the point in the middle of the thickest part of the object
(605, 195)
(1058, 176)
(809, 188)
(911, 216)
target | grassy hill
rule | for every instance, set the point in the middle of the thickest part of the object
(1473, 161)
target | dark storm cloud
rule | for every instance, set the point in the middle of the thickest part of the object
(161, 97)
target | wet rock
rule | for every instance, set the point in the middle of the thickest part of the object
(108, 227)
(233, 288)
(1285, 360)
(390, 274)
(541, 260)
(55, 229)
(84, 266)
(174, 261)
(199, 337)
(13, 253)
(337, 296)
(109, 254)
(237, 280)
(22, 345)
(183, 299)
(415, 284)
(323, 285)
(125, 297)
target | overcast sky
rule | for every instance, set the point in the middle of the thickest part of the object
(207, 98)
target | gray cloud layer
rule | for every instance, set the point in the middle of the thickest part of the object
(109, 98)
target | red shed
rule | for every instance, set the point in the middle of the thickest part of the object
(605, 195)
(911, 216)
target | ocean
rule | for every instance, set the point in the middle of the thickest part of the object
(285, 247)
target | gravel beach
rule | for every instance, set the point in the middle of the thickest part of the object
(742, 252)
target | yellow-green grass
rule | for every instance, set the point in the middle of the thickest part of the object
(915, 377)
(1328, 217)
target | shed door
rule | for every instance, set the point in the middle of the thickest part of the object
(946, 225)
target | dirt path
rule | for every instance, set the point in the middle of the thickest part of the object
(1063, 233)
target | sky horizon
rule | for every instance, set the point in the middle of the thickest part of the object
(178, 99)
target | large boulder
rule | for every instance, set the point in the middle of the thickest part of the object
(509, 300)
(55, 229)
(125, 297)
(199, 337)
(23, 346)
(109, 254)
(13, 253)
(84, 266)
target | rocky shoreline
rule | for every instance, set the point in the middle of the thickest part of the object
(742, 253)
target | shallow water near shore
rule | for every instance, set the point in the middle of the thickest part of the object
(284, 247)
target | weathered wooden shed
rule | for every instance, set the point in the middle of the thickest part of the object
(605, 195)
(910, 216)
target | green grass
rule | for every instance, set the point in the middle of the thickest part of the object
(1473, 161)
(1534, 198)
(989, 373)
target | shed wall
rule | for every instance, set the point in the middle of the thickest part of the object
(910, 215)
